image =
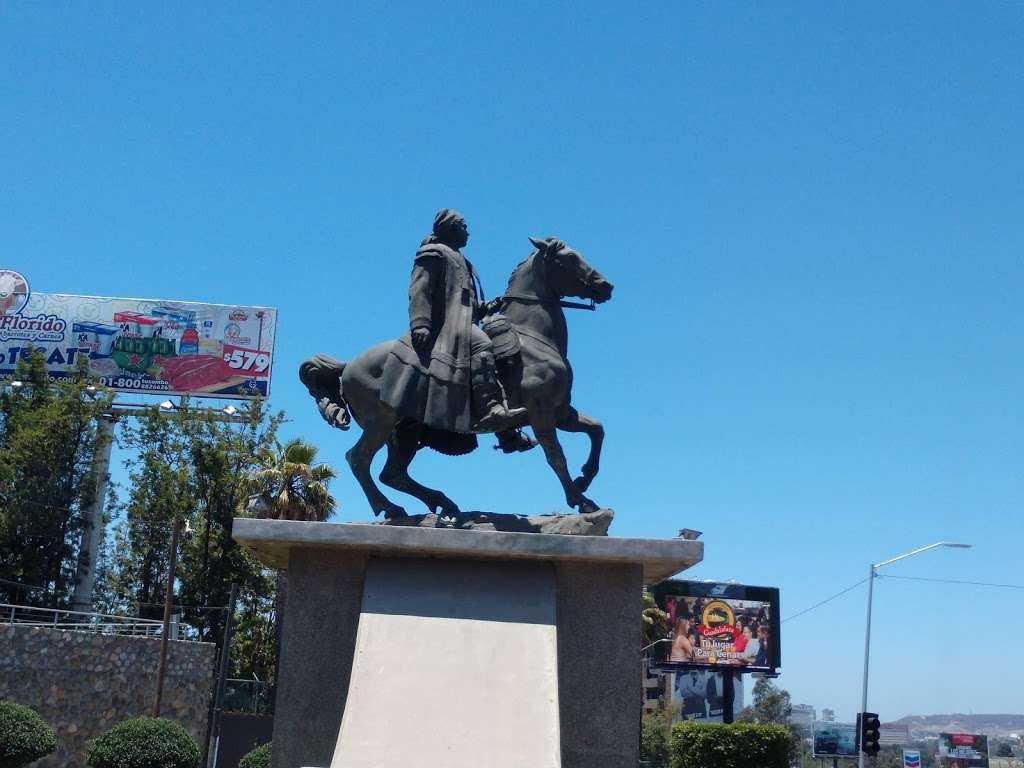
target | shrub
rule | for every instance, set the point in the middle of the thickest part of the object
(258, 758)
(655, 730)
(145, 742)
(24, 736)
(698, 745)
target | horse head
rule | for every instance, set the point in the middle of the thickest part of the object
(567, 273)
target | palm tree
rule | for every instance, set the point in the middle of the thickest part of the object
(288, 486)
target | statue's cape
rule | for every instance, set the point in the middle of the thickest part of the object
(435, 391)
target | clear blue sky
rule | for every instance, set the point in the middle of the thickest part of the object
(812, 213)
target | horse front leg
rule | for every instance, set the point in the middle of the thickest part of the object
(548, 439)
(574, 421)
(402, 447)
(359, 458)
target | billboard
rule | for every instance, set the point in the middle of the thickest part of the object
(835, 739)
(719, 625)
(963, 750)
(698, 694)
(138, 345)
(911, 758)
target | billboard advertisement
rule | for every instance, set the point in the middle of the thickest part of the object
(835, 740)
(963, 750)
(698, 694)
(137, 345)
(911, 758)
(718, 625)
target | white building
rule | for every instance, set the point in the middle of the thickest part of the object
(802, 715)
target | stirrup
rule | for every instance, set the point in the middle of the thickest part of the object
(514, 441)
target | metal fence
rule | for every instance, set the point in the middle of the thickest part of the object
(79, 621)
(254, 696)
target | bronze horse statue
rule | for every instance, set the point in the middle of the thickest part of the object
(540, 380)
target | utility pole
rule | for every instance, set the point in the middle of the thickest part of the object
(168, 599)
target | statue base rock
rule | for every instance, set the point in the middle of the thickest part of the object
(589, 524)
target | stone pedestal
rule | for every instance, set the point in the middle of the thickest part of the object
(459, 648)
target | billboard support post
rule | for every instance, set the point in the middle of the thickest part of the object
(728, 696)
(92, 534)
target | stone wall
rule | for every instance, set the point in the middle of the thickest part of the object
(84, 683)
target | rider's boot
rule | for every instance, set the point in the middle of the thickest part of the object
(513, 440)
(489, 401)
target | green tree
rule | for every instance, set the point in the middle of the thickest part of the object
(47, 438)
(654, 621)
(772, 706)
(193, 465)
(289, 485)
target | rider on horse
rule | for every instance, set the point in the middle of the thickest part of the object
(442, 373)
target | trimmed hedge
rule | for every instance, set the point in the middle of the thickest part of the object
(258, 758)
(145, 742)
(24, 736)
(741, 745)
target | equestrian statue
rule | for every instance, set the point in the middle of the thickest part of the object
(466, 367)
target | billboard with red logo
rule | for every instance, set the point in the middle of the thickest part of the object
(719, 625)
(140, 345)
(963, 750)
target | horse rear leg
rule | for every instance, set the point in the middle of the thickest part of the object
(548, 439)
(402, 447)
(574, 421)
(359, 458)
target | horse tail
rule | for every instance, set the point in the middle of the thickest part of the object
(321, 374)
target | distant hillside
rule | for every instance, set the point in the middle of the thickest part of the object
(992, 725)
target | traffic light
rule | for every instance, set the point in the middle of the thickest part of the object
(869, 728)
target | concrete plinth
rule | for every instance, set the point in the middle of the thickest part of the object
(451, 648)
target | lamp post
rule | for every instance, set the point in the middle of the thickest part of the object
(872, 573)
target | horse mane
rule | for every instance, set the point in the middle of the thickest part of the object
(551, 241)
(519, 266)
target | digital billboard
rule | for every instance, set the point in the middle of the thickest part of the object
(698, 694)
(719, 625)
(835, 739)
(963, 750)
(139, 345)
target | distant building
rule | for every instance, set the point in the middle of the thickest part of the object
(828, 715)
(893, 734)
(802, 715)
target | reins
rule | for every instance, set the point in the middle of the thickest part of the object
(551, 300)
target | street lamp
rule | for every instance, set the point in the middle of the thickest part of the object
(872, 573)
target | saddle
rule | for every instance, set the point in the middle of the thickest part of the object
(503, 335)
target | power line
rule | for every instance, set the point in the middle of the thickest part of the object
(906, 578)
(954, 581)
(826, 600)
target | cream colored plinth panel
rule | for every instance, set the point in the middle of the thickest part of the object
(455, 667)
